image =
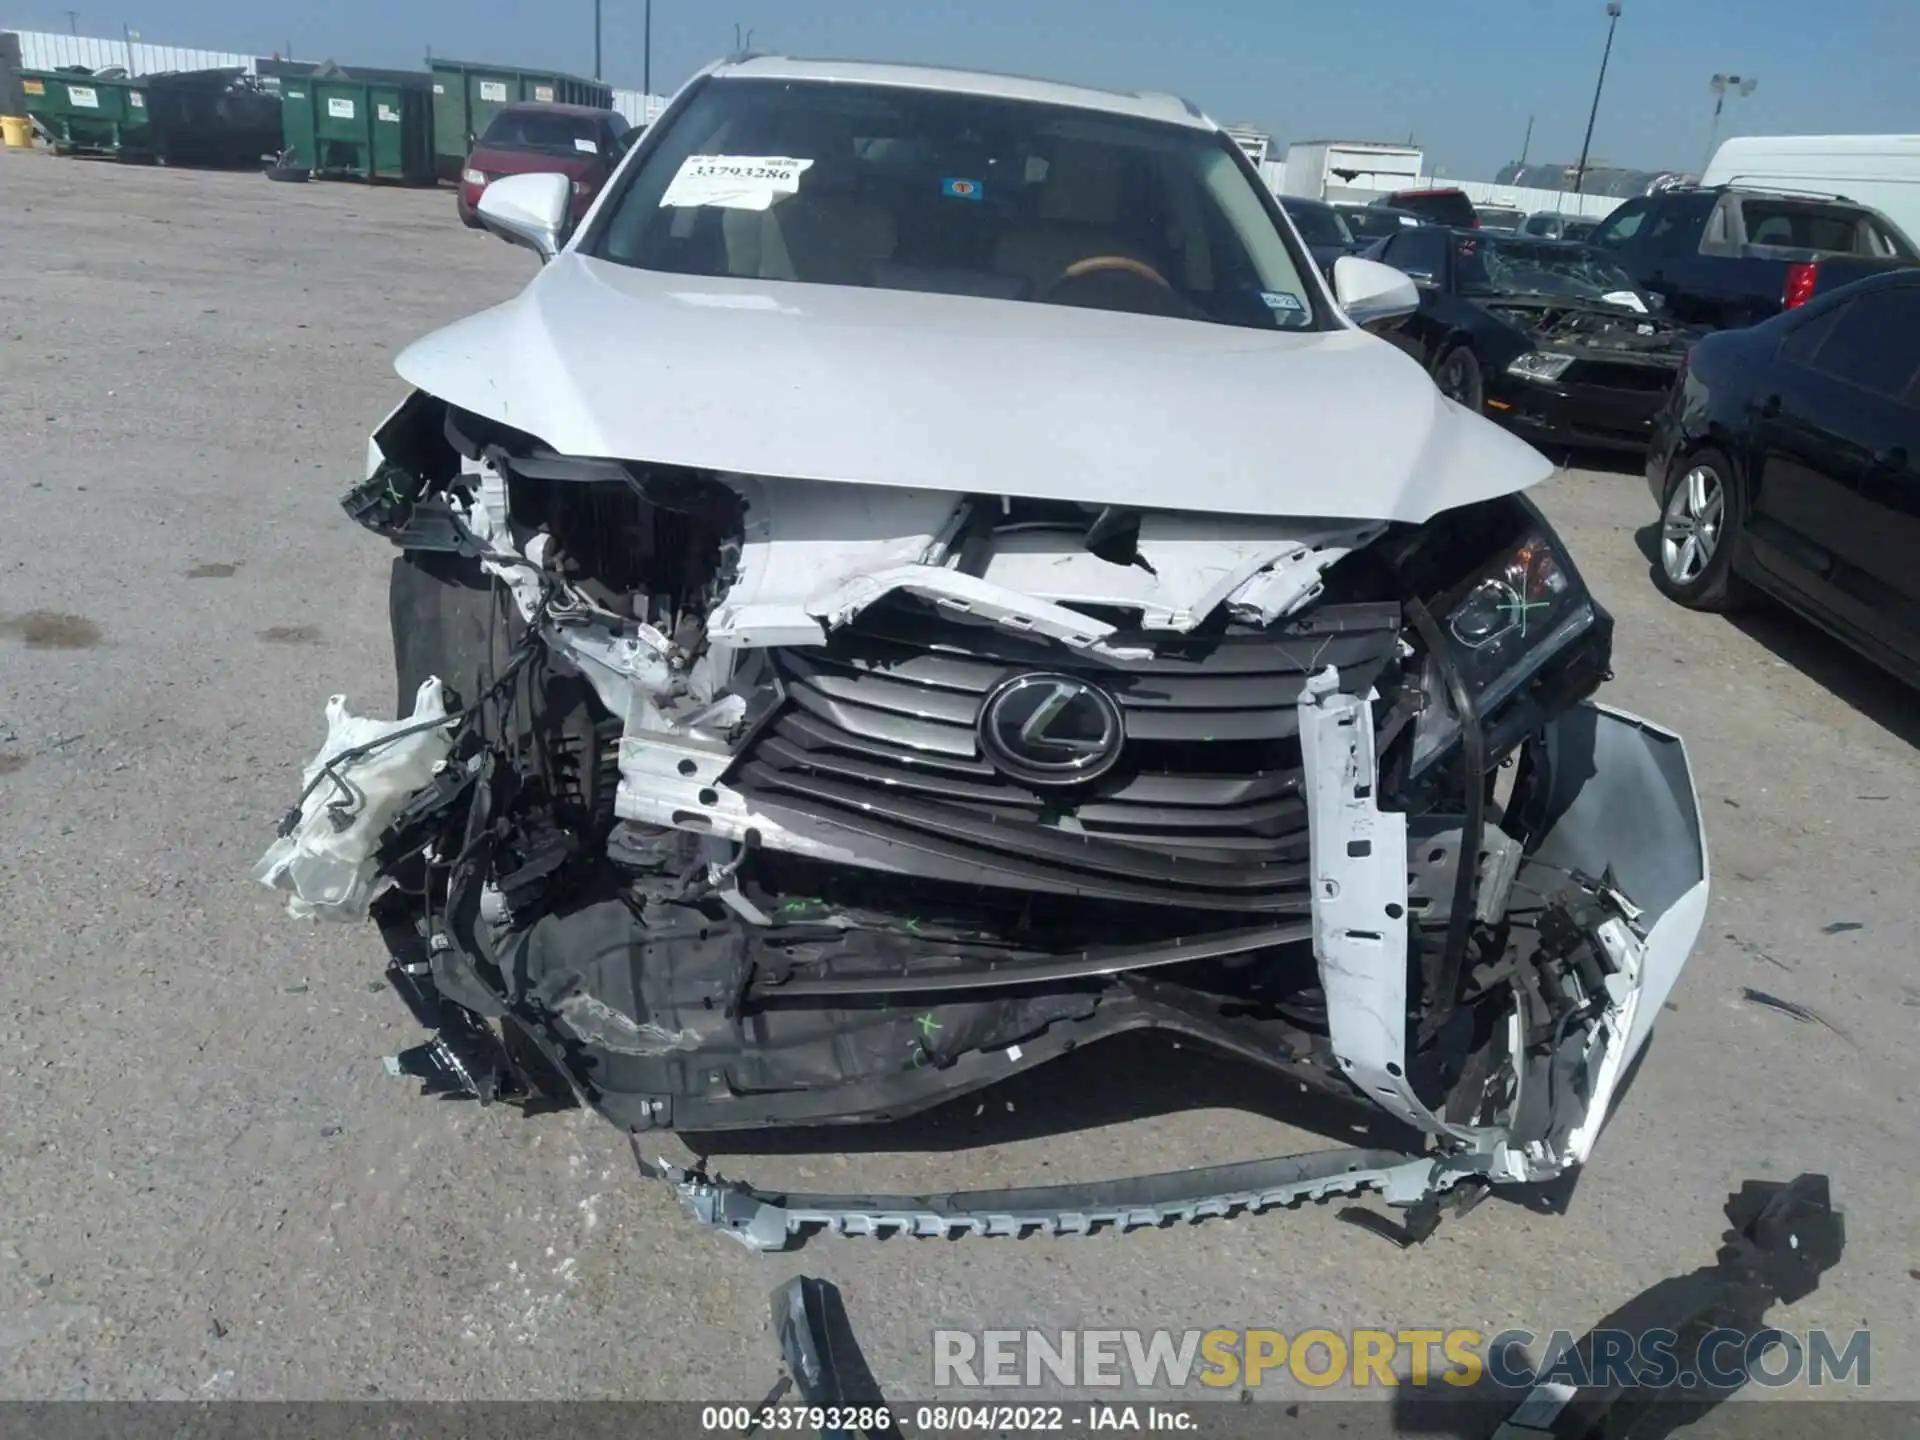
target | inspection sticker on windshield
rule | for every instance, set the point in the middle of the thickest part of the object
(1282, 300)
(959, 189)
(734, 182)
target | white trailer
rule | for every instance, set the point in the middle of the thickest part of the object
(1315, 167)
(1878, 170)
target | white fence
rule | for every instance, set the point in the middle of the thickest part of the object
(1481, 192)
(1563, 202)
(638, 107)
(49, 50)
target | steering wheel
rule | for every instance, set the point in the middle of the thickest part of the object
(1097, 264)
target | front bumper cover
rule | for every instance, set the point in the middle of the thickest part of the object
(1576, 414)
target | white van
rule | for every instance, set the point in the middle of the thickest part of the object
(1881, 171)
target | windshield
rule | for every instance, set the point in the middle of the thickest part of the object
(1498, 265)
(543, 130)
(902, 189)
(1318, 224)
(1374, 224)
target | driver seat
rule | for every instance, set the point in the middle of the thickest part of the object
(1078, 216)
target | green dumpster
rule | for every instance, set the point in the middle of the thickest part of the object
(273, 74)
(218, 117)
(467, 96)
(345, 129)
(88, 114)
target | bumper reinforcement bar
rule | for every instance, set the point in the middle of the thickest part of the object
(767, 1220)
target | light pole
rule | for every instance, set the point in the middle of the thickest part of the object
(597, 74)
(646, 52)
(1613, 19)
(1741, 85)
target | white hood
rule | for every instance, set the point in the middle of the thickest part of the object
(942, 392)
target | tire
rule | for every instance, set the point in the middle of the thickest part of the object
(1457, 373)
(1701, 517)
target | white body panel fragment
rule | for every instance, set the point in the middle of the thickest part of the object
(326, 862)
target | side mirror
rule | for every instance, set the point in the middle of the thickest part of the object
(1371, 293)
(529, 210)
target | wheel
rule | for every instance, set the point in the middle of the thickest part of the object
(1458, 376)
(1700, 522)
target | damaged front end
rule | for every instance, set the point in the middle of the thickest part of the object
(768, 802)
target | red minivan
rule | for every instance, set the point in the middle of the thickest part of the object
(577, 141)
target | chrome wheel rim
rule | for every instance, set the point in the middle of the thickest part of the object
(1690, 529)
(1453, 380)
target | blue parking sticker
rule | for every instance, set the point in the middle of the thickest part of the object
(961, 189)
(1281, 300)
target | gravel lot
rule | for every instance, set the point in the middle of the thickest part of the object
(208, 1187)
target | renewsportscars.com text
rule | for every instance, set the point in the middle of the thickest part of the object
(1321, 1358)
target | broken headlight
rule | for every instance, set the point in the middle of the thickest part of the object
(1518, 611)
(1538, 365)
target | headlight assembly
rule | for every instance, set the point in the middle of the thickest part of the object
(1538, 365)
(1518, 611)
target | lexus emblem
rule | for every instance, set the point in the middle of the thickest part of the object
(1050, 729)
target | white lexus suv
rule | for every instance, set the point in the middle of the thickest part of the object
(927, 577)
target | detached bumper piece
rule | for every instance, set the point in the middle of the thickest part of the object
(765, 1220)
(824, 1362)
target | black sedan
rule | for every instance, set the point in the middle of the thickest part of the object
(1326, 234)
(1787, 459)
(1550, 338)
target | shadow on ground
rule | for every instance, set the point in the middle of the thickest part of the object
(1606, 462)
(1886, 701)
(1664, 1359)
(1814, 653)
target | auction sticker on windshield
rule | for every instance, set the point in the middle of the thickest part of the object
(734, 182)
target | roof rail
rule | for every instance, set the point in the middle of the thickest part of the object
(1789, 190)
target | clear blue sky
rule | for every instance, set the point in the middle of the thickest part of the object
(1462, 78)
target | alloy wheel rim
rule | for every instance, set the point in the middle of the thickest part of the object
(1690, 529)
(1453, 379)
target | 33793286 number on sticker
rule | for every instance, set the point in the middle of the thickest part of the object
(734, 182)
